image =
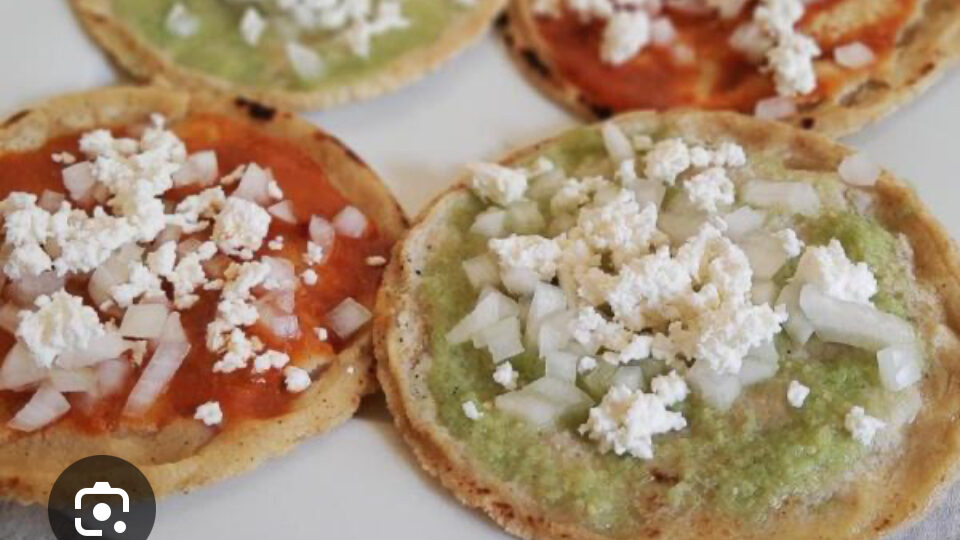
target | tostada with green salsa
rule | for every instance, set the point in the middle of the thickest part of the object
(185, 283)
(301, 54)
(678, 325)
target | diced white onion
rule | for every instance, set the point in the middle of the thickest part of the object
(282, 273)
(718, 391)
(200, 169)
(114, 271)
(858, 170)
(322, 233)
(143, 321)
(743, 221)
(775, 108)
(544, 402)
(648, 192)
(46, 406)
(753, 371)
(854, 55)
(543, 187)
(111, 376)
(481, 271)
(254, 185)
(662, 31)
(900, 366)
(283, 211)
(19, 370)
(765, 253)
(680, 226)
(491, 223)
(491, 307)
(348, 317)
(751, 40)
(350, 222)
(283, 325)
(51, 200)
(797, 197)
(616, 142)
(629, 376)
(562, 365)
(109, 345)
(519, 281)
(79, 181)
(525, 218)
(10, 317)
(502, 339)
(73, 380)
(161, 368)
(798, 326)
(851, 323)
(284, 300)
(27, 289)
(170, 233)
(764, 292)
(547, 299)
(306, 63)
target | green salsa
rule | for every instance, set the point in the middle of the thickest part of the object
(218, 47)
(744, 461)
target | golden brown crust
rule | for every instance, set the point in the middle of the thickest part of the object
(184, 454)
(927, 49)
(875, 503)
(145, 62)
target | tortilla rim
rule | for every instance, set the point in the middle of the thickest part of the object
(335, 394)
(145, 62)
(401, 343)
(920, 62)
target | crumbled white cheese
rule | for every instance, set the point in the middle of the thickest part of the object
(252, 25)
(710, 189)
(670, 388)
(322, 333)
(797, 394)
(828, 268)
(626, 421)
(141, 282)
(181, 22)
(239, 350)
(209, 413)
(497, 184)
(527, 252)
(861, 426)
(792, 63)
(667, 160)
(792, 245)
(195, 211)
(315, 253)
(375, 260)
(622, 225)
(388, 16)
(66, 158)
(309, 277)
(471, 411)
(27, 260)
(296, 379)
(61, 324)
(506, 376)
(188, 274)
(276, 244)
(586, 364)
(241, 227)
(626, 33)
(270, 360)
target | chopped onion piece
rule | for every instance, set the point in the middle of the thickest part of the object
(718, 391)
(114, 271)
(547, 299)
(532, 408)
(743, 221)
(27, 289)
(73, 380)
(542, 188)
(751, 40)
(51, 200)
(906, 404)
(161, 368)
(900, 366)
(851, 323)
(554, 333)
(200, 169)
(283, 300)
(46, 406)
(525, 218)
(350, 222)
(348, 317)
(322, 233)
(680, 226)
(502, 339)
(307, 64)
(482, 271)
(280, 324)
(775, 108)
(616, 142)
(170, 233)
(283, 275)
(753, 371)
(858, 170)
(764, 292)
(254, 185)
(797, 197)
(144, 321)
(648, 192)
(628, 376)
(562, 365)
(109, 345)
(10, 317)
(20, 370)
(491, 307)
(766, 254)
(283, 211)
(798, 326)
(854, 55)
(520, 281)
(491, 223)
(79, 181)
(662, 31)
(111, 376)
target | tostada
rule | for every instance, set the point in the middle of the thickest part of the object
(300, 54)
(678, 325)
(187, 284)
(828, 65)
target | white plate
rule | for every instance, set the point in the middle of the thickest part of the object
(360, 482)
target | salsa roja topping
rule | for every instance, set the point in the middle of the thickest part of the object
(204, 271)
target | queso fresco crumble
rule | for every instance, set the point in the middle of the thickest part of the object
(671, 262)
(93, 295)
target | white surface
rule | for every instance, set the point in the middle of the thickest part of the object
(360, 482)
